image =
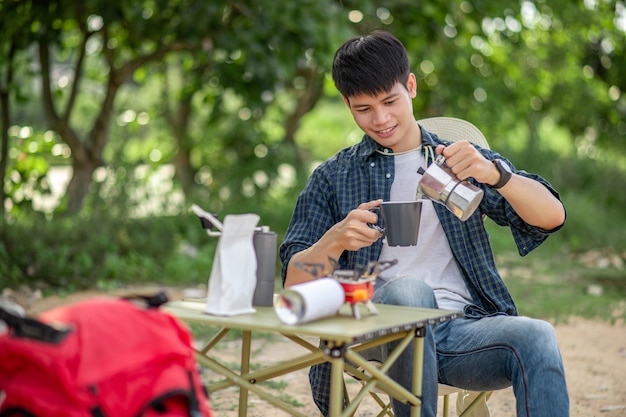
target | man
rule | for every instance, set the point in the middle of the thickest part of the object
(452, 266)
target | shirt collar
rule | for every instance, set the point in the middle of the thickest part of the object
(368, 147)
(429, 139)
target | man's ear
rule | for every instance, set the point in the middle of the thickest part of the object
(411, 85)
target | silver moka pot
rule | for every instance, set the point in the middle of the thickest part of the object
(439, 184)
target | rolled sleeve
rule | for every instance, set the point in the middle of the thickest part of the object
(526, 236)
(310, 220)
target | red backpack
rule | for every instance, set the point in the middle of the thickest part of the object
(104, 357)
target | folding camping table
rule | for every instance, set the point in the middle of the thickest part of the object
(342, 338)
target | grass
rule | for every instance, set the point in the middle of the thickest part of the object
(559, 291)
(205, 333)
(555, 283)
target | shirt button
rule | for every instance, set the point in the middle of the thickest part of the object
(372, 164)
(388, 176)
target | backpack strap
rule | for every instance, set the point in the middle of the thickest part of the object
(33, 329)
(151, 301)
(194, 404)
(37, 330)
(15, 412)
(158, 403)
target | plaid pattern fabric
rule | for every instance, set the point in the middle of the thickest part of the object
(359, 174)
(319, 378)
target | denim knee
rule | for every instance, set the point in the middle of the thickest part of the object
(543, 334)
(406, 291)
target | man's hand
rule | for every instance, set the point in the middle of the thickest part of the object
(465, 161)
(354, 232)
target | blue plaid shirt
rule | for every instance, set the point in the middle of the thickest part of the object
(359, 174)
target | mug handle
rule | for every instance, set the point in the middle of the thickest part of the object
(375, 226)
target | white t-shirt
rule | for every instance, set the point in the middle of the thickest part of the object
(431, 259)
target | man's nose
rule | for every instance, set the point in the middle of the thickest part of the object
(381, 116)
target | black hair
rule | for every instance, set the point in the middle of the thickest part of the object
(370, 64)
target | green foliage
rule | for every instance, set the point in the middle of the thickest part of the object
(73, 254)
(337, 129)
(237, 77)
(32, 152)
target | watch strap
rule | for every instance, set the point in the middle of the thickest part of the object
(505, 174)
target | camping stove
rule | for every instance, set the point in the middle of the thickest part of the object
(357, 284)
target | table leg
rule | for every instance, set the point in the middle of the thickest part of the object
(242, 381)
(418, 362)
(336, 381)
(245, 368)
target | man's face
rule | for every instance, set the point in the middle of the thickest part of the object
(388, 117)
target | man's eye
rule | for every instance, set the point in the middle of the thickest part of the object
(390, 102)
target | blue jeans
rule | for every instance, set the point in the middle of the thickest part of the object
(484, 354)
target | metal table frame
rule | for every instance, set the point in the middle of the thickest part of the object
(342, 338)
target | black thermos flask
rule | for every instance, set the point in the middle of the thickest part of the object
(266, 247)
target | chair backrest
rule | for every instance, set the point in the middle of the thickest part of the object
(453, 129)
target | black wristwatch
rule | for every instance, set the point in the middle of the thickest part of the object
(505, 173)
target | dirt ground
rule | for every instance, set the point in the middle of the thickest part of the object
(594, 354)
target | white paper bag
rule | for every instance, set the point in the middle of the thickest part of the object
(233, 276)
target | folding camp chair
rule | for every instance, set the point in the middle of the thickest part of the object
(468, 403)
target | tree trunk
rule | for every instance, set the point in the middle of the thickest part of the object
(5, 119)
(305, 103)
(184, 171)
(78, 187)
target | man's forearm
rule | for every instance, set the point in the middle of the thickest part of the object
(316, 254)
(534, 203)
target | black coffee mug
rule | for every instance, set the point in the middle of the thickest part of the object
(401, 220)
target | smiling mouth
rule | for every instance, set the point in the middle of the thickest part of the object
(385, 131)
